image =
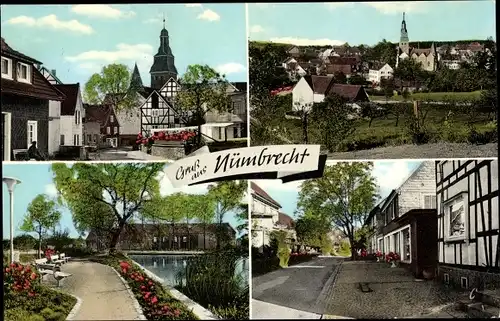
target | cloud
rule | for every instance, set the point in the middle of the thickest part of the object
(308, 42)
(94, 60)
(256, 29)
(193, 5)
(209, 15)
(155, 20)
(51, 190)
(398, 7)
(391, 174)
(335, 5)
(101, 11)
(230, 68)
(51, 22)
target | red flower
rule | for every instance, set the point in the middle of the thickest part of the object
(31, 293)
(33, 275)
(154, 300)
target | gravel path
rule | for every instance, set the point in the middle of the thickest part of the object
(396, 294)
(103, 295)
(428, 151)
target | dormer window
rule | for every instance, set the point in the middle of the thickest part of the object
(6, 68)
(23, 72)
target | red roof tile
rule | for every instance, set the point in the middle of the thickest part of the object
(349, 92)
(71, 91)
(285, 220)
(319, 84)
(260, 192)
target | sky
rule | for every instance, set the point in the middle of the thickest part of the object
(370, 22)
(388, 174)
(77, 40)
(36, 179)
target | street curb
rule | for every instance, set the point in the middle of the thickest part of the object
(196, 309)
(137, 306)
(76, 308)
(329, 284)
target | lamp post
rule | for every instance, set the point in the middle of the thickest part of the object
(11, 182)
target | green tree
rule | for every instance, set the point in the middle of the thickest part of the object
(283, 251)
(356, 80)
(340, 77)
(169, 209)
(41, 217)
(344, 196)
(242, 217)
(310, 228)
(387, 85)
(203, 90)
(111, 86)
(333, 119)
(203, 208)
(120, 189)
(227, 196)
(409, 70)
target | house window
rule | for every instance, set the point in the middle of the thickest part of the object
(108, 130)
(154, 102)
(155, 113)
(32, 131)
(6, 68)
(430, 201)
(61, 142)
(115, 130)
(89, 138)
(184, 239)
(220, 133)
(405, 256)
(23, 72)
(76, 140)
(95, 138)
(455, 212)
(111, 119)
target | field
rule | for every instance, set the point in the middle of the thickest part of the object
(387, 130)
(434, 96)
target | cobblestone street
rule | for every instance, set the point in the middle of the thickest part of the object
(395, 294)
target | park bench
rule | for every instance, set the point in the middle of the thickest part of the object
(45, 268)
(63, 256)
(56, 259)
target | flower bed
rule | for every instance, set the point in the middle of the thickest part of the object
(26, 299)
(155, 301)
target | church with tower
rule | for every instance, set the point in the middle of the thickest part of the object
(428, 57)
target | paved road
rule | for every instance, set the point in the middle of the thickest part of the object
(300, 287)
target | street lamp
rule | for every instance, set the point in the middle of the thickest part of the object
(11, 182)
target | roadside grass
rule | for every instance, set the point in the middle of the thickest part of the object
(436, 96)
(263, 265)
(384, 132)
(156, 302)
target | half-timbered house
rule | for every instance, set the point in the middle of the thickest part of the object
(158, 113)
(468, 220)
(105, 116)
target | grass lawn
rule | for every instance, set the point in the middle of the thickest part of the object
(434, 96)
(384, 132)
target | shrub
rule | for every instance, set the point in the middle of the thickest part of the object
(211, 280)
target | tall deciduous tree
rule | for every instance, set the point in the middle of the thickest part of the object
(203, 208)
(310, 228)
(111, 86)
(41, 217)
(169, 209)
(227, 196)
(117, 191)
(344, 196)
(202, 90)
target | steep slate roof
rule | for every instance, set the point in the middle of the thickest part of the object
(285, 220)
(50, 73)
(97, 113)
(347, 91)
(39, 88)
(68, 106)
(319, 84)
(260, 192)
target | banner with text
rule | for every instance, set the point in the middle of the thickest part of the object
(286, 162)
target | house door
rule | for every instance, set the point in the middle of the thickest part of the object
(32, 131)
(113, 142)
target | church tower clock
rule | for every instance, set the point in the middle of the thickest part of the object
(163, 67)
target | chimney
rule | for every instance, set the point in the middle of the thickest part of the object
(53, 72)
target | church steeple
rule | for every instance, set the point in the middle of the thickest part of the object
(163, 67)
(404, 41)
(136, 80)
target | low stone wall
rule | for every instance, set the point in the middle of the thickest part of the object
(168, 150)
(492, 280)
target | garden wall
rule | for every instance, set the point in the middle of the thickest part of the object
(168, 150)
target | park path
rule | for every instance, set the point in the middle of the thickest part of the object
(103, 295)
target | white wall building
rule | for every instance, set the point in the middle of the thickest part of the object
(375, 75)
(264, 214)
(71, 133)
